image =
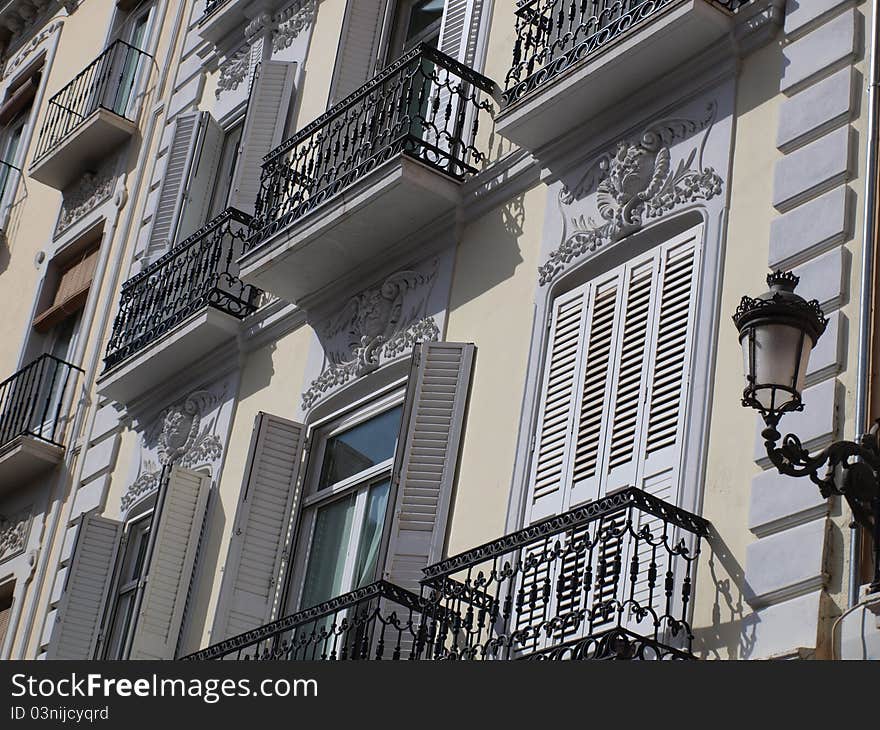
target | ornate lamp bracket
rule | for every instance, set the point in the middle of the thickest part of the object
(848, 468)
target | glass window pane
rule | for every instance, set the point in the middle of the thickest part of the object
(121, 623)
(371, 535)
(365, 445)
(329, 549)
(422, 15)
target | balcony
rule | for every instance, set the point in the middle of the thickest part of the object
(612, 579)
(180, 307)
(90, 117)
(222, 17)
(572, 59)
(360, 180)
(33, 407)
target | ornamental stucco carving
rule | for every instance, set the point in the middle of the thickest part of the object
(291, 21)
(32, 45)
(635, 183)
(183, 435)
(85, 195)
(13, 534)
(377, 325)
(233, 71)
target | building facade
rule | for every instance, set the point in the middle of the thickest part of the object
(401, 328)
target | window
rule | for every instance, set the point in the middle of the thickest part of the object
(415, 22)
(225, 170)
(615, 380)
(73, 280)
(343, 517)
(133, 27)
(14, 116)
(131, 572)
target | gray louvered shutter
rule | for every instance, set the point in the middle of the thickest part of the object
(271, 95)
(260, 532)
(358, 47)
(424, 473)
(171, 566)
(81, 609)
(179, 159)
(199, 184)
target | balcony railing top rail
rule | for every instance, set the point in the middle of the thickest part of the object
(198, 272)
(211, 6)
(610, 579)
(554, 35)
(32, 401)
(107, 83)
(425, 105)
(379, 621)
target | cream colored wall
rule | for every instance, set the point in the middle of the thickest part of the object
(29, 229)
(318, 72)
(491, 304)
(271, 381)
(81, 41)
(720, 606)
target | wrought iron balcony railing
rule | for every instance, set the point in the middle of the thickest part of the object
(554, 35)
(198, 272)
(211, 6)
(612, 579)
(32, 401)
(107, 83)
(425, 105)
(378, 621)
(609, 580)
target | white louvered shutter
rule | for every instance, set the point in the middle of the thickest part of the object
(424, 474)
(271, 96)
(261, 529)
(358, 47)
(81, 610)
(553, 441)
(171, 566)
(460, 29)
(615, 381)
(199, 184)
(179, 161)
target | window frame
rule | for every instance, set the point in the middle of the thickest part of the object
(140, 520)
(359, 485)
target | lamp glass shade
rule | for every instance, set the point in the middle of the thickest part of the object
(775, 360)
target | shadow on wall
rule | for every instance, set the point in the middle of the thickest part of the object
(731, 634)
(489, 252)
(258, 372)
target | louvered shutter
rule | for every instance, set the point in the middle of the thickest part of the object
(5, 614)
(424, 472)
(555, 420)
(82, 605)
(180, 156)
(261, 528)
(614, 388)
(271, 95)
(171, 565)
(199, 184)
(460, 29)
(358, 47)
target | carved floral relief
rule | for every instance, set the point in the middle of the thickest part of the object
(637, 182)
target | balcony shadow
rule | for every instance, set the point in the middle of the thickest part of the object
(258, 371)
(489, 252)
(731, 633)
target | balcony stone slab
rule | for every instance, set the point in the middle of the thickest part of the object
(25, 458)
(351, 230)
(168, 355)
(645, 53)
(83, 149)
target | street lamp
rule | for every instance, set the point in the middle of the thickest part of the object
(777, 332)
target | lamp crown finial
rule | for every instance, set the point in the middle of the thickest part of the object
(782, 281)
